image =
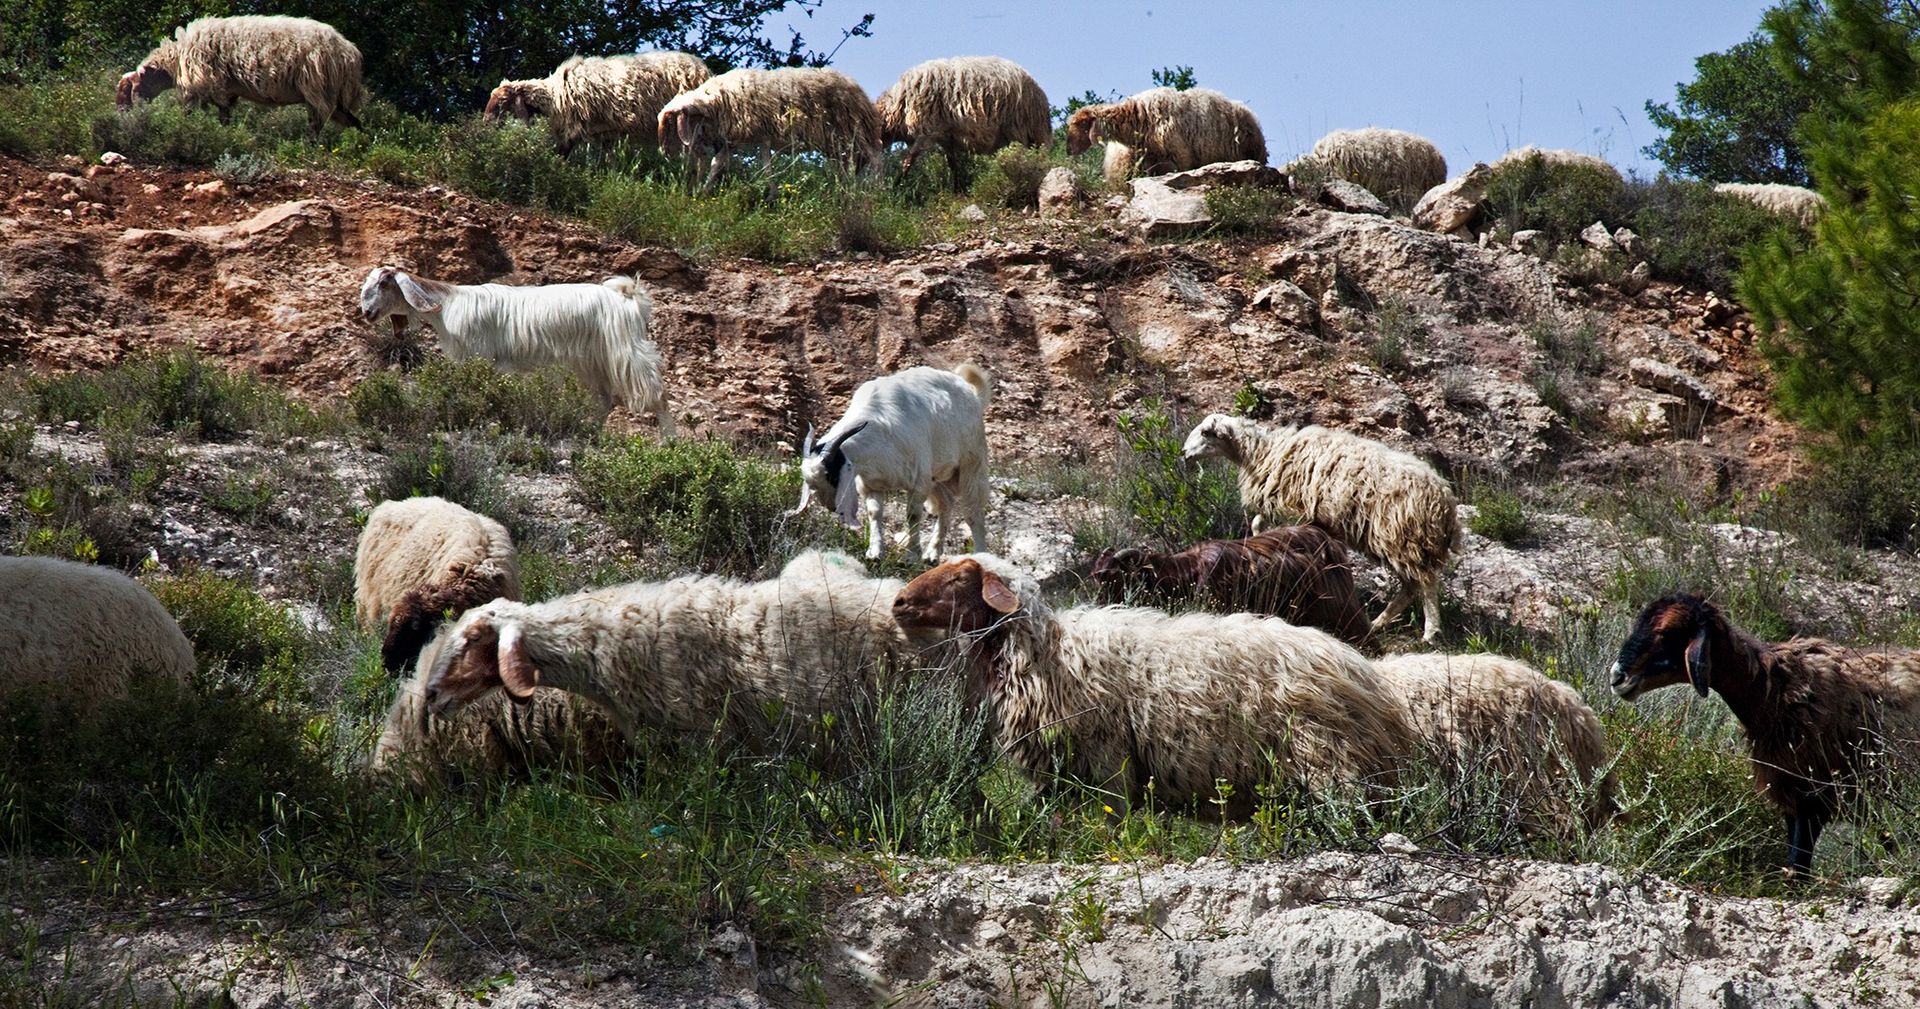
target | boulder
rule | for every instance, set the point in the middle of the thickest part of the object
(1290, 304)
(1059, 191)
(1532, 241)
(1637, 279)
(1160, 211)
(1660, 376)
(1350, 197)
(1224, 173)
(1596, 237)
(1628, 242)
(1455, 203)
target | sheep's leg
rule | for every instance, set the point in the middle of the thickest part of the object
(315, 120)
(876, 545)
(1396, 606)
(1430, 609)
(957, 168)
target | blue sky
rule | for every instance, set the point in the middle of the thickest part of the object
(1475, 76)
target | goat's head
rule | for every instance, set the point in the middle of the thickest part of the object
(1083, 129)
(1670, 643)
(1215, 437)
(140, 85)
(1114, 570)
(484, 649)
(826, 474)
(391, 291)
(958, 597)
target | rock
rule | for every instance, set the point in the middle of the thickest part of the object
(972, 212)
(1455, 203)
(112, 158)
(1225, 173)
(1643, 419)
(1157, 211)
(1350, 197)
(1596, 237)
(208, 190)
(150, 189)
(1885, 891)
(1628, 242)
(1290, 304)
(1715, 311)
(1651, 374)
(1532, 241)
(1059, 191)
(1637, 279)
(1398, 844)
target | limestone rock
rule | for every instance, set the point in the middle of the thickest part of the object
(1289, 303)
(1225, 173)
(1596, 237)
(1059, 191)
(1651, 374)
(1628, 242)
(1160, 211)
(1350, 197)
(1455, 203)
(1531, 241)
(1637, 279)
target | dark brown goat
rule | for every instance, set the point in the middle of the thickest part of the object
(1820, 718)
(1297, 573)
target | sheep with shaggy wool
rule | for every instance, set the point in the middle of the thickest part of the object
(1559, 157)
(791, 109)
(964, 105)
(1162, 130)
(599, 331)
(83, 631)
(600, 99)
(1795, 203)
(1397, 166)
(1825, 724)
(682, 655)
(1494, 716)
(921, 432)
(268, 60)
(521, 99)
(1142, 703)
(1385, 502)
(419, 558)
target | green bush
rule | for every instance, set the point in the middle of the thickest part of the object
(1864, 496)
(1558, 200)
(1012, 177)
(178, 393)
(698, 503)
(1500, 516)
(1247, 211)
(239, 638)
(1168, 501)
(460, 469)
(1692, 234)
(513, 162)
(450, 396)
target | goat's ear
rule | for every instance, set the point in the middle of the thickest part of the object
(518, 676)
(416, 295)
(1699, 664)
(995, 593)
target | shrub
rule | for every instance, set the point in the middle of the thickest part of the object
(459, 469)
(1692, 234)
(1500, 516)
(1864, 496)
(698, 503)
(547, 403)
(1012, 177)
(1169, 500)
(179, 392)
(239, 638)
(1246, 211)
(1397, 331)
(513, 162)
(1558, 200)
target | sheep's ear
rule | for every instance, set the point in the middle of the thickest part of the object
(517, 673)
(416, 295)
(995, 593)
(1699, 666)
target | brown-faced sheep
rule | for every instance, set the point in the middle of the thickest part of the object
(964, 105)
(83, 631)
(1297, 573)
(1162, 130)
(600, 99)
(1822, 720)
(422, 557)
(1795, 203)
(268, 60)
(792, 109)
(1397, 166)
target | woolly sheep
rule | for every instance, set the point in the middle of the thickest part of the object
(602, 98)
(1824, 722)
(921, 432)
(268, 60)
(682, 655)
(597, 330)
(1488, 714)
(421, 557)
(1162, 130)
(522, 100)
(1379, 500)
(83, 631)
(1139, 702)
(1559, 156)
(965, 105)
(1796, 203)
(791, 109)
(1397, 166)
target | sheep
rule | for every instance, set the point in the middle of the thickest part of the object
(1490, 714)
(1796, 203)
(686, 655)
(1558, 156)
(268, 60)
(1822, 720)
(792, 109)
(1397, 166)
(83, 632)
(597, 330)
(1162, 130)
(922, 432)
(965, 105)
(1379, 500)
(602, 98)
(1297, 573)
(1142, 703)
(419, 558)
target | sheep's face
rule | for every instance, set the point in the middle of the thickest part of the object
(141, 85)
(1668, 645)
(1210, 439)
(1082, 130)
(958, 597)
(682, 126)
(512, 98)
(483, 651)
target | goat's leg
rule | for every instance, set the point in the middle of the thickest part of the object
(1430, 608)
(977, 522)
(937, 543)
(876, 543)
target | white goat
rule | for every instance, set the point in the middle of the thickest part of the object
(597, 330)
(922, 432)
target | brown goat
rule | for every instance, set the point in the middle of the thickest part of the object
(1297, 573)
(1819, 717)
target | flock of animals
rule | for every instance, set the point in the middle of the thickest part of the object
(1272, 676)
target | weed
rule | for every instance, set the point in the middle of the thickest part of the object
(244, 168)
(1012, 177)
(1246, 211)
(1160, 498)
(460, 469)
(698, 503)
(1499, 515)
(1397, 331)
(453, 396)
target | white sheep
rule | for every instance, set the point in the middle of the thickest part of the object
(921, 432)
(964, 105)
(1162, 130)
(1559, 156)
(268, 60)
(1379, 500)
(1796, 203)
(419, 558)
(1142, 703)
(683, 655)
(601, 98)
(791, 109)
(1489, 715)
(83, 632)
(599, 331)
(1397, 166)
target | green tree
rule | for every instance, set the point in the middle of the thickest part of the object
(1735, 122)
(1179, 78)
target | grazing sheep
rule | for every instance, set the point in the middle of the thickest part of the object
(1823, 721)
(597, 330)
(1162, 130)
(1559, 156)
(83, 631)
(965, 105)
(1143, 703)
(921, 432)
(602, 98)
(1297, 573)
(1397, 166)
(520, 99)
(268, 60)
(1485, 714)
(682, 655)
(792, 109)
(1385, 502)
(1796, 203)
(420, 558)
